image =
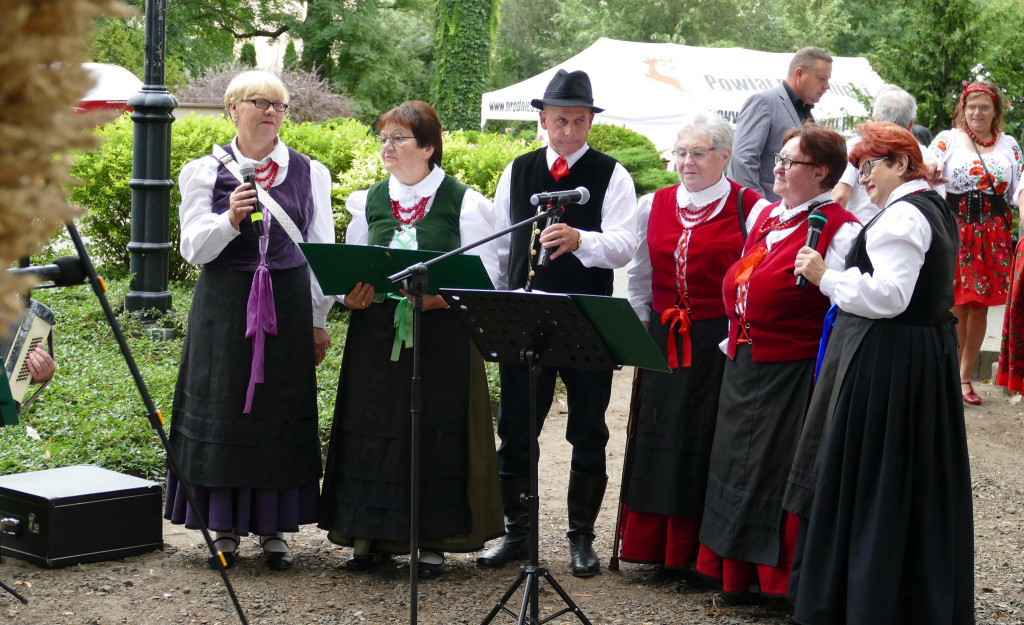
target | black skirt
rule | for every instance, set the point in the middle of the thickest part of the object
(277, 446)
(890, 537)
(366, 491)
(760, 413)
(675, 425)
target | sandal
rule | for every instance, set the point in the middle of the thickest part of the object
(277, 560)
(970, 397)
(229, 554)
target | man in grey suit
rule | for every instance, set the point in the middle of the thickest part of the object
(766, 116)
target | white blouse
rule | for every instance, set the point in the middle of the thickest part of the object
(896, 242)
(205, 234)
(476, 220)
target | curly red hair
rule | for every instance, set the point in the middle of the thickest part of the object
(888, 139)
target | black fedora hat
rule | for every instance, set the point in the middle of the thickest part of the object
(568, 89)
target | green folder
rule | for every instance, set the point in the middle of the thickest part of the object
(624, 335)
(339, 266)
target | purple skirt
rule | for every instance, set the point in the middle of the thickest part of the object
(260, 511)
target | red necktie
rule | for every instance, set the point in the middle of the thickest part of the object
(560, 169)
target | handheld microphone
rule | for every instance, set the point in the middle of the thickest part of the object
(64, 271)
(545, 252)
(815, 223)
(579, 195)
(248, 171)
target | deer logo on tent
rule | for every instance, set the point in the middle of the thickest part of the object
(655, 74)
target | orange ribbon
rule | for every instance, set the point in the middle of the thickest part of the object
(680, 322)
(748, 264)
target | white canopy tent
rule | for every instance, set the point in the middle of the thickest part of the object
(649, 87)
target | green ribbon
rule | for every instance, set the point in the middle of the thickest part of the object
(403, 326)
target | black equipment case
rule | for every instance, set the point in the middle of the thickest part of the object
(72, 515)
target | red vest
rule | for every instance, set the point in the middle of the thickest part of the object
(713, 247)
(784, 321)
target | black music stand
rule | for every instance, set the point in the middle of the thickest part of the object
(544, 329)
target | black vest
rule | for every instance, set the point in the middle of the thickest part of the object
(565, 274)
(933, 293)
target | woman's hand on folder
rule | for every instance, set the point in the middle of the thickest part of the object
(360, 297)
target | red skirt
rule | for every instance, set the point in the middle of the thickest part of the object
(652, 538)
(1011, 352)
(985, 261)
(737, 575)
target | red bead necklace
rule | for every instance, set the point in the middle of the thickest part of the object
(266, 175)
(984, 144)
(696, 216)
(409, 215)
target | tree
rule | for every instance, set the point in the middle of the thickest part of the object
(247, 55)
(291, 58)
(377, 51)
(464, 35)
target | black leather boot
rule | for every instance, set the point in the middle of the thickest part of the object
(586, 492)
(514, 545)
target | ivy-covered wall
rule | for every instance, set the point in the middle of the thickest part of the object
(465, 36)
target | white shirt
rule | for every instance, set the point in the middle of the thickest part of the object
(205, 234)
(896, 243)
(611, 248)
(842, 241)
(859, 203)
(640, 270)
(476, 220)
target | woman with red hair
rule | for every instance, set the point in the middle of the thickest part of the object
(883, 451)
(983, 166)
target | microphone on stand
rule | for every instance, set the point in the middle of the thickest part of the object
(579, 195)
(815, 223)
(553, 217)
(248, 171)
(64, 271)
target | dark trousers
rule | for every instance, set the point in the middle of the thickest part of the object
(588, 394)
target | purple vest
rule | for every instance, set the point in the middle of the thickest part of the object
(295, 195)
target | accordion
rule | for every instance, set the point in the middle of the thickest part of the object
(23, 336)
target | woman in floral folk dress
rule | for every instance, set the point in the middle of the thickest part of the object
(983, 166)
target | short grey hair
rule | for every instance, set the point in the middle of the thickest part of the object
(807, 58)
(895, 105)
(718, 131)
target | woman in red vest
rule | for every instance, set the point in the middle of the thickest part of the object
(689, 233)
(775, 326)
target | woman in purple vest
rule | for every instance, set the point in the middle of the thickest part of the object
(244, 421)
(366, 494)
(775, 326)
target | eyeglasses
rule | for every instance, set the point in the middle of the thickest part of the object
(396, 139)
(263, 105)
(697, 155)
(868, 165)
(787, 163)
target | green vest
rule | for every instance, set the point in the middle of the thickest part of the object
(437, 231)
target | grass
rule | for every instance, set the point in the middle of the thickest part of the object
(92, 411)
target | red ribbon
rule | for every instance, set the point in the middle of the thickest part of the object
(680, 322)
(560, 169)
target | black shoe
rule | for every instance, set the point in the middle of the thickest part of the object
(229, 556)
(360, 562)
(583, 560)
(691, 580)
(277, 560)
(431, 570)
(510, 547)
(744, 597)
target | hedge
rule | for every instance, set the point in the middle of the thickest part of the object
(347, 148)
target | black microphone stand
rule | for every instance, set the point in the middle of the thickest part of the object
(156, 419)
(415, 282)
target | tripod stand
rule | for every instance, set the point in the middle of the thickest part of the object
(578, 331)
(156, 420)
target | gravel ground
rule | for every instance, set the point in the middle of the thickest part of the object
(175, 585)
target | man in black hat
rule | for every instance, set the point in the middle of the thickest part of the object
(585, 246)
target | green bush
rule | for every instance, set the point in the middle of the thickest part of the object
(606, 137)
(636, 153)
(636, 160)
(650, 180)
(346, 147)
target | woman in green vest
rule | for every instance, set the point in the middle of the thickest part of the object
(366, 491)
